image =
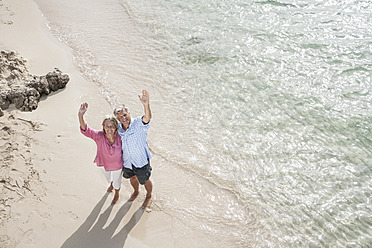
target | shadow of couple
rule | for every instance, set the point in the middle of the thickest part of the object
(96, 236)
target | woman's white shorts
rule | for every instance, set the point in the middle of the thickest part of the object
(114, 177)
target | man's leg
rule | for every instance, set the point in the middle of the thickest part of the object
(148, 187)
(135, 184)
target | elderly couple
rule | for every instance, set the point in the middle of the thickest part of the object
(122, 148)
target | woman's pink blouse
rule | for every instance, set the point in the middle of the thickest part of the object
(109, 156)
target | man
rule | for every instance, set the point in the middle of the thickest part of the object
(136, 153)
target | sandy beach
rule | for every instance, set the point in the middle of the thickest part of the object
(260, 133)
(52, 195)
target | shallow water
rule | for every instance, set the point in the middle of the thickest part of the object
(262, 109)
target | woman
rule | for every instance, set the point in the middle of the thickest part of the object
(109, 153)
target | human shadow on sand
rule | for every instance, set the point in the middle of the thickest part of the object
(97, 236)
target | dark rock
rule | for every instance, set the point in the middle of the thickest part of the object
(19, 87)
(4, 101)
(56, 80)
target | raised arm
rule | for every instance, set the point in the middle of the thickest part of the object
(145, 100)
(82, 110)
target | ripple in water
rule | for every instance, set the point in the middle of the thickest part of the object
(263, 111)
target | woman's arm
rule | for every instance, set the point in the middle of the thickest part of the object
(83, 109)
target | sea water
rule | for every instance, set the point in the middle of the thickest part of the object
(261, 110)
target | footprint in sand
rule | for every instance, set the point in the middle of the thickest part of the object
(5, 11)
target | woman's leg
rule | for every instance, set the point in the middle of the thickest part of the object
(116, 183)
(108, 176)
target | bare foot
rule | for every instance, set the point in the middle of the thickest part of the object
(133, 196)
(147, 202)
(116, 198)
(110, 188)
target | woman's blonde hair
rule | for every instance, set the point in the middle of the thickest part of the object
(113, 120)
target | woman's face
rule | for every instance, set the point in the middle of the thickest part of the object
(109, 127)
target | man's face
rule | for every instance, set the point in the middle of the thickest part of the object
(124, 118)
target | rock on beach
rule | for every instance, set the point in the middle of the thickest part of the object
(19, 87)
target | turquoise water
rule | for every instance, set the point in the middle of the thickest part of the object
(262, 110)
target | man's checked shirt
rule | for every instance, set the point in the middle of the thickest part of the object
(134, 143)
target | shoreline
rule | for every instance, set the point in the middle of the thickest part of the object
(56, 194)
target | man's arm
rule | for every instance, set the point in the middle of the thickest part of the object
(145, 100)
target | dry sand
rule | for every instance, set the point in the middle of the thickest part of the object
(52, 195)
